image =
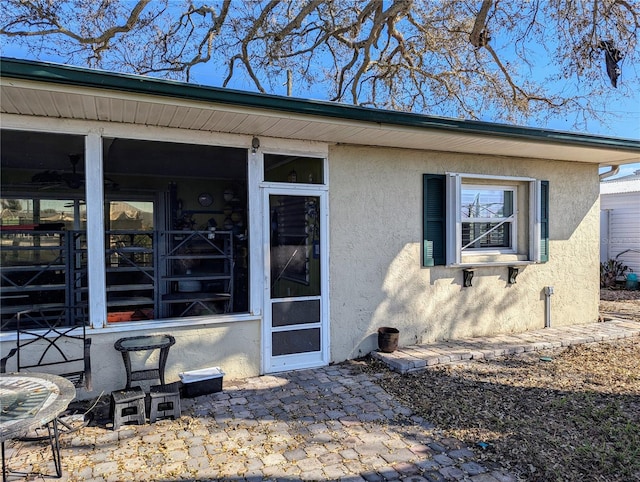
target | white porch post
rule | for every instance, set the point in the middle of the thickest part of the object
(95, 230)
(256, 213)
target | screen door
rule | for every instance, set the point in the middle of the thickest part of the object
(295, 311)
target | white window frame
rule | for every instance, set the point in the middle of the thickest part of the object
(511, 220)
(454, 249)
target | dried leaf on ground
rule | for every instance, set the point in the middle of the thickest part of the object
(575, 417)
(620, 304)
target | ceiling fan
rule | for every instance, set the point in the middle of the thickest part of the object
(71, 180)
(52, 179)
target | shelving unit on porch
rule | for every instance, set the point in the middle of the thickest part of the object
(149, 274)
(41, 269)
(199, 273)
(131, 275)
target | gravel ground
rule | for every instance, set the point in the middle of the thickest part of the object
(620, 304)
(559, 415)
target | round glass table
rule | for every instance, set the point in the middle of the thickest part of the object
(32, 400)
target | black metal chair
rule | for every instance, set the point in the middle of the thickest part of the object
(54, 341)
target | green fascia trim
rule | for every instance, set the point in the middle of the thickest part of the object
(83, 77)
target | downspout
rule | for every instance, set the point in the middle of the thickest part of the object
(548, 291)
(608, 235)
(611, 172)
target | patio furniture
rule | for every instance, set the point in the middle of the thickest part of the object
(32, 400)
(145, 343)
(165, 401)
(128, 407)
(54, 340)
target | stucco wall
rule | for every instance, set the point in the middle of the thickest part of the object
(375, 265)
(234, 347)
(376, 277)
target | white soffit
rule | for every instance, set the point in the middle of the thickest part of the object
(30, 98)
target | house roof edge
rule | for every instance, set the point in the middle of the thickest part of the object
(85, 77)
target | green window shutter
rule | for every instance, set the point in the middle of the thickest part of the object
(434, 220)
(544, 221)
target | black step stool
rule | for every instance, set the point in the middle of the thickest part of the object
(127, 407)
(165, 401)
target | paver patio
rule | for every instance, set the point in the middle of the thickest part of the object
(331, 423)
(417, 357)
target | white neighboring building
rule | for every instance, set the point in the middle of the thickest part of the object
(620, 220)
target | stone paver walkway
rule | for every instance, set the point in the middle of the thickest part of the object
(417, 357)
(331, 423)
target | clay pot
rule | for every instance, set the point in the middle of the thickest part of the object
(388, 339)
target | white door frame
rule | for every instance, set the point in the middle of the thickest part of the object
(272, 364)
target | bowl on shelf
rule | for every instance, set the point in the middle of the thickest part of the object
(189, 286)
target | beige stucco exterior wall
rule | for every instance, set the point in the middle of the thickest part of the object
(233, 346)
(376, 278)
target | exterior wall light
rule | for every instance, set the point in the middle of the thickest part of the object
(255, 144)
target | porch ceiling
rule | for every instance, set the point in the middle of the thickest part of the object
(32, 98)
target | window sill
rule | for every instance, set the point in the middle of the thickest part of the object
(178, 323)
(490, 264)
(183, 324)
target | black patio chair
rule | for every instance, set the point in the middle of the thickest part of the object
(54, 341)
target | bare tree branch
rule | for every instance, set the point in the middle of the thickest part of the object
(430, 55)
(102, 40)
(479, 36)
(518, 94)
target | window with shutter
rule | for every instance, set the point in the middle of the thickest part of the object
(477, 219)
